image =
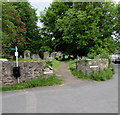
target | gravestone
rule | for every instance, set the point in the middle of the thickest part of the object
(53, 55)
(46, 55)
(27, 54)
(20, 56)
(58, 54)
(35, 56)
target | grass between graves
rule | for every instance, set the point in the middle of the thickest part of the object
(101, 75)
(22, 59)
(36, 82)
(56, 64)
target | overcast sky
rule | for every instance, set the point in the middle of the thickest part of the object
(40, 5)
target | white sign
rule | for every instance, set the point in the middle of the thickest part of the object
(93, 66)
(16, 53)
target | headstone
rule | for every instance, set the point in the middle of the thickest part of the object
(27, 54)
(58, 54)
(46, 55)
(53, 55)
(35, 56)
(20, 56)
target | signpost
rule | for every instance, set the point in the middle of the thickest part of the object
(16, 54)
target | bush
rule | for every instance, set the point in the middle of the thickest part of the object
(102, 54)
(79, 74)
(72, 66)
(102, 75)
(48, 63)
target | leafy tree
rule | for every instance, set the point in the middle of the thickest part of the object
(82, 27)
(48, 18)
(13, 29)
(29, 17)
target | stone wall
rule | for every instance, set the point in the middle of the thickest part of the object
(86, 66)
(28, 70)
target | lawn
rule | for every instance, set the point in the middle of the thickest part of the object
(56, 64)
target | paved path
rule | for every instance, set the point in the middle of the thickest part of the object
(81, 97)
(64, 73)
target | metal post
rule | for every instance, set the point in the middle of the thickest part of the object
(16, 54)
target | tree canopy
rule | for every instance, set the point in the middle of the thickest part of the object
(74, 28)
(13, 28)
(19, 27)
(81, 28)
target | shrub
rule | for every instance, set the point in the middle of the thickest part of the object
(102, 75)
(72, 65)
(103, 54)
(48, 63)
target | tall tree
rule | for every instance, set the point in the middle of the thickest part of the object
(49, 17)
(82, 27)
(13, 29)
(29, 17)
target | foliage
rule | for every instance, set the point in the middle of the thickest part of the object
(29, 17)
(56, 64)
(48, 63)
(102, 75)
(103, 54)
(48, 18)
(19, 27)
(72, 65)
(13, 28)
(36, 82)
(85, 26)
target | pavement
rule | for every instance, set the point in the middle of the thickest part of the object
(85, 96)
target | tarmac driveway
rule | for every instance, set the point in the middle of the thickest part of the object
(86, 96)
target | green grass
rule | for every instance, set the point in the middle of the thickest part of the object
(56, 64)
(22, 59)
(36, 82)
(102, 75)
(72, 64)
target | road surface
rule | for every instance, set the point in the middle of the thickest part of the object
(86, 96)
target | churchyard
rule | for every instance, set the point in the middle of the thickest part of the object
(75, 36)
(35, 71)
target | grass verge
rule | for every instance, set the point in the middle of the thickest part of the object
(37, 82)
(101, 75)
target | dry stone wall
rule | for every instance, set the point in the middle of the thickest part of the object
(87, 66)
(28, 70)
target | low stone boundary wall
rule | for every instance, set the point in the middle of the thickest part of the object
(28, 70)
(87, 66)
